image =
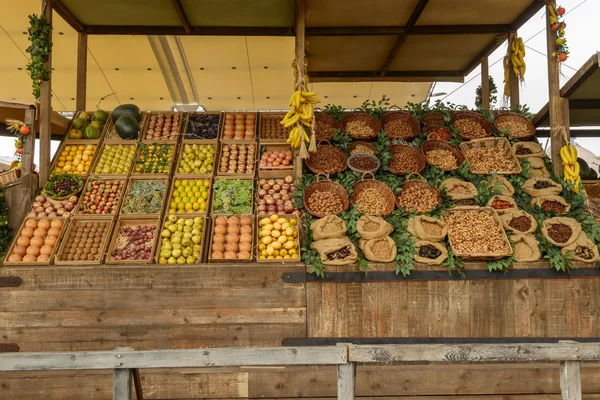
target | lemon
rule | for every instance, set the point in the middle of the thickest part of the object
(61, 164)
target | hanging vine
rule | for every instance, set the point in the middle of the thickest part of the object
(39, 51)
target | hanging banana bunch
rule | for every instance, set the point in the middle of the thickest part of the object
(568, 154)
(300, 117)
(515, 59)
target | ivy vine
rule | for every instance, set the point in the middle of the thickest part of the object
(40, 31)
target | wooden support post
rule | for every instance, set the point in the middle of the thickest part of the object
(556, 103)
(300, 49)
(28, 187)
(345, 380)
(515, 96)
(122, 384)
(82, 47)
(46, 107)
(137, 382)
(570, 380)
(485, 83)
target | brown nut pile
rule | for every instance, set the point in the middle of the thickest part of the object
(475, 233)
(323, 162)
(516, 129)
(431, 228)
(442, 158)
(361, 148)
(470, 128)
(381, 249)
(323, 130)
(83, 243)
(398, 128)
(418, 198)
(371, 202)
(403, 161)
(363, 163)
(560, 233)
(359, 129)
(489, 160)
(325, 202)
(459, 189)
(270, 128)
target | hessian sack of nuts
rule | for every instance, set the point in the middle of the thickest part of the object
(423, 227)
(505, 199)
(535, 149)
(382, 249)
(561, 231)
(526, 248)
(583, 248)
(539, 167)
(458, 189)
(338, 251)
(539, 201)
(426, 260)
(551, 187)
(371, 227)
(328, 227)
(516, 221)
(506, 188)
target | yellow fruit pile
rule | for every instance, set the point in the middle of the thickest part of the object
(301, 115)
(75, 159)
(568, 154)
(278, 238)
(189, 196)
(516, 57)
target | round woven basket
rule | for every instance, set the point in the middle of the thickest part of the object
(438, 132)
(354, 145)
(433, 118)
(324, 186)
(403, 116)
(360, 172)
(383, 190)
(516, 119)
(321, 118)
(470, 115)
(374, 126)
(332, 159)
(410, 151)
(420, 183)
(441, 145)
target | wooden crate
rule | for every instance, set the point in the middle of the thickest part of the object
(54, 250)
(108, 221)
(480, 256)
(138, 154)
(123, 221)
(87, 185)
(257, 240)
(76, 115)
(81, 142)
(174, 138)
(274, 176)
(186, 135)
(132, 180)
(274, 172)
(222, 149)
(99, 154)
(500, 143)
(213, 143)
(189, 178)
(202, 241)
(212, 196)
(209, 242)
(231, 116)
(112, 135)
(270, 126)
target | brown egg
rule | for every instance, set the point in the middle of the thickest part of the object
(30, 258)
(20, 250)
(31, 223)
(221, 221)
(220, 229)
(40, 233)
(15, 258)
(246, 238)
(230, 255)
(233, 221)
(233, 229)
(246, 229)
(232, 247)
(23, 241)
(245, 247)
(43, 258)
(246, 221)
(33, 251)
(218, 238)
(36, 241)
(27, 232)
(244, 255)
(217, 255)
(232, 238)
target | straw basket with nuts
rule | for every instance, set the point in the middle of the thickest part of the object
(373, 197)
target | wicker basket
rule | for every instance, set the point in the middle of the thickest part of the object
(9, 176)
(441, 145)
(438, 132)
(420, 183)
(360, 172)
(500, 143)
(324, 186)
(471, 116)
(322, 118)
(516, 119)
(397, 149)
(405, 117)
(383, 190)
(354, 145)
(433, 118)
(335, 160)
(371, 122)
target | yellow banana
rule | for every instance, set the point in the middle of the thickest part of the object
(565, 155)
(551, 10)
(291, 103)
(292, 121)
(515, 60)
(577, 169)
(312, 100)
(573, 152)
(305, 122)
(309, 94)
(570, 170)
(287, 116)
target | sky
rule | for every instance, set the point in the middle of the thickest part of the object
(582, 34)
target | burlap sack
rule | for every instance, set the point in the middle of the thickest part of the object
(526, 248)
(570, 222)
(457, 185)
(503, 210)
(327, 247)
(506, 218)
(582, 241)
(538, 201)
(371, 227)
(430, 261)
(506, 188)
(535, 148)
(379, 245)
(421, 225)
(329, 227)
(538, 167)
(529, 187)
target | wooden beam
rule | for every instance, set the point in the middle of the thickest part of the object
(530, 11)
(67, 15)
(346, 381)
(137, 382)
(399, 30)
(122, 384)
(570, 380)
(587, 70)
(300, 54)
(82, 50)
(458, 29)
(46, 107)
(29, 184)
(515, 95)
(391, 76)
(556, 105)
(584, 104)
(402, 38)
(182, 17)
(485, 83)
(196, 31)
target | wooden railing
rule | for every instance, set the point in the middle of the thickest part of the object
(124, 362)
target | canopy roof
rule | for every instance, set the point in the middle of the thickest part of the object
(583, 92)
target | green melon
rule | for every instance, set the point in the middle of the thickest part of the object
(127, 127)
(126, 110)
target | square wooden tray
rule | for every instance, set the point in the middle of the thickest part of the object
(132, 180)
(274, 172)
(202, 243)
(189, 178)
(498, 143)
(269, 123)
(224, 146)
(257, 240)
(75, 116)
(79, 142)
(99, 154)
(230, 260)
(108, 221)
(123, 221)
(158, 143)
(231, 116)
(212, 196)
(174, 138)
(112, 135)
(213, 143)
(188, 120)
